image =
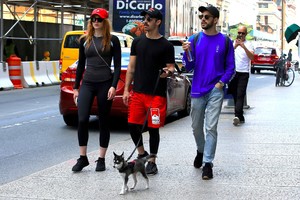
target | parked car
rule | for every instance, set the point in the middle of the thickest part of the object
(265, 58)
(178, 94)
(70, 47)
(177, 43)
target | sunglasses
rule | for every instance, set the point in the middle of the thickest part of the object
(241, 33)
(148, 19)
(94, 19)
(205, 17)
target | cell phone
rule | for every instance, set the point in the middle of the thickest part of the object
(238, 37)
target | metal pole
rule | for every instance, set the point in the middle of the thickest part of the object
(1, 31)
(62, 31)
(282, 26)
(35, 32)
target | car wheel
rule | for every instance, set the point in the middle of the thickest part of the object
(187, 110)
(252, 70)
(71, 120)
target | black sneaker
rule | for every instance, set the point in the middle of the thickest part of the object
(242, 119)
(151, 168)
(207, 172)
(81, 163)
(198, 160)
(141, 156)
(100, 164)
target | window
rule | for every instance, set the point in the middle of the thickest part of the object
(263, 5)
(72, 41)
(266, 20)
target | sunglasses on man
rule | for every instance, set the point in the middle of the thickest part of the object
(241, 33)
(94, 19)
(148, 19)
(205, 16)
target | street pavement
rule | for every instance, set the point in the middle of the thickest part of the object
(257, 160)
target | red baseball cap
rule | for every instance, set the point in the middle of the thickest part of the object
(102, 13)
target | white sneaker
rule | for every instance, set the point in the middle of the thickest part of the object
(236, 121)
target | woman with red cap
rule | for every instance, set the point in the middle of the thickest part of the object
(97, 49)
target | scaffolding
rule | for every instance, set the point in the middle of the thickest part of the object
(62, 6)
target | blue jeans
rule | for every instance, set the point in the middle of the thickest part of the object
(207, 109)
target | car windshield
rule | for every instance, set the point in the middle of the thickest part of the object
(177, 47)
(265, 51)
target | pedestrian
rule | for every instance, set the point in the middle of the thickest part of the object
(243, 54)
(10, 49)
(97, 49)
(213, 65)
(46, 55)
(150, 54)
(289, 58)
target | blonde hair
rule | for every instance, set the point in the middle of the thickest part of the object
(106, 34)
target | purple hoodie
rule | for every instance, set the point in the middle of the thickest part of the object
(208, 64)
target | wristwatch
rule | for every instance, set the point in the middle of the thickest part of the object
(222, 83)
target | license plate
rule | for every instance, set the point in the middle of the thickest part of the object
(263, 58)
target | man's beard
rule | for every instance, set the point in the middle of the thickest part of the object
(207, 26)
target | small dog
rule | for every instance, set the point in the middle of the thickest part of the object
(130, 168)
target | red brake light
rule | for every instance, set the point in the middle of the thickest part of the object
(60, 64)
(70, 74)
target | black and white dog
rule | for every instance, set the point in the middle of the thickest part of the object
(130, 168)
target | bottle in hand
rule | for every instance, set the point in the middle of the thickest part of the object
(189, 55)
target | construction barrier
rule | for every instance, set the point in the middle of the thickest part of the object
(15, 72)
(52, 68)
(28, 73)
(28, 76)
(35, 73)
(41, 73)
(5, 82)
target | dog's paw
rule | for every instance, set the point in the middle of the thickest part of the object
(132, 188)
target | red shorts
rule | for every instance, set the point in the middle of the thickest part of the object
(138, 106)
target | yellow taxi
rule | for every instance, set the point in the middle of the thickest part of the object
(70, 47)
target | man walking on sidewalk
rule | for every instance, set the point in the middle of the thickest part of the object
(243, 54)
(150, 54)
(213, 65)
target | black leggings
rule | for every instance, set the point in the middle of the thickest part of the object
(88, 91)
(135, 133)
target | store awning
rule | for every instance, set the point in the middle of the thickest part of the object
(291, 32)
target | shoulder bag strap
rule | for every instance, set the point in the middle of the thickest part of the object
(99, 54)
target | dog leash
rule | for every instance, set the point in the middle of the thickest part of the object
(148, 110)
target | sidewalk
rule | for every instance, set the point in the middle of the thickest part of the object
(258, 160)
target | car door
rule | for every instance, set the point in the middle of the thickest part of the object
(175, 93)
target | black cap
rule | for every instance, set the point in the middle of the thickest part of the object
(211, 9)
(152, 12)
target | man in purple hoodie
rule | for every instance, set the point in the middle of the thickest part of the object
(213, 64)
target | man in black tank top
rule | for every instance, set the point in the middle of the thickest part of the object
(150, 55)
